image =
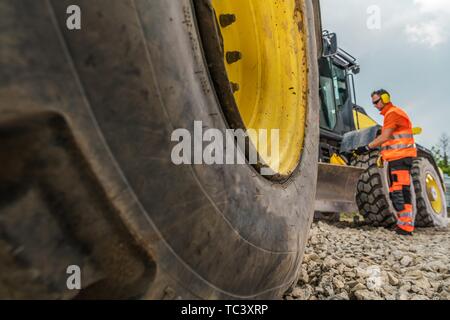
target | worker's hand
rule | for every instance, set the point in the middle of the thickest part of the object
(362, 150)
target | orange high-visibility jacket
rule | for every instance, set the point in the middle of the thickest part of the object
(402, 144)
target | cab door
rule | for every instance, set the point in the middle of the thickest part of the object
(328, 110)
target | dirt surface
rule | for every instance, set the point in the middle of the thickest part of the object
(346, 261)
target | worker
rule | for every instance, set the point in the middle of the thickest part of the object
(398, 149)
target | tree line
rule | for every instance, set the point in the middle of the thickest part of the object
(441, 152)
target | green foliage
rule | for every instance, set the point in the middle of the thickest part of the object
(444, 168)
(440, 153)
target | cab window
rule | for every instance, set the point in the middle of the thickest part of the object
(328, 116)
(340, 85)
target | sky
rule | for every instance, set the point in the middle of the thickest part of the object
(402, 46)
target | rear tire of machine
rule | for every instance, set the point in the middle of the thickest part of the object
(426, 216)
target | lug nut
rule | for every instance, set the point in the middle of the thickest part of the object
(227, 19)
(234, 87)
(233, 56)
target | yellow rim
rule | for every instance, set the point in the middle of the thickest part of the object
(434, 194)
(266, 63)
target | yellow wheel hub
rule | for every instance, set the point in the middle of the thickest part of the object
(266, 63)
(434, 194)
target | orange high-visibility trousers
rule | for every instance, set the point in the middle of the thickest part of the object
(400, 192)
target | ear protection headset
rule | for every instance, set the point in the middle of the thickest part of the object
(386, 98)
(384, 95)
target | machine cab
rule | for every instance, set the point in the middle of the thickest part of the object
(337, 95)
(339, 112)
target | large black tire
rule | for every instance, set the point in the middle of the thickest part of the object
(372, 195)
(426, 216)
(86, 178)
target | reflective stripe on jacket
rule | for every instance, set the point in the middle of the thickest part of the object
(402, 144)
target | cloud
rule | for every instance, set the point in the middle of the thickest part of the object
(431, 33)
(433, 6)
(434, 26)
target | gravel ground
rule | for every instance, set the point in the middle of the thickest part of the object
(347, 261)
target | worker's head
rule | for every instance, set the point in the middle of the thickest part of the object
(380, 98)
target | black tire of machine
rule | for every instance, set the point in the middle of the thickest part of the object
(86, 178)
(426, 215)
(372, 196)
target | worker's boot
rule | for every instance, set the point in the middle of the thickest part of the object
(402, 232)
